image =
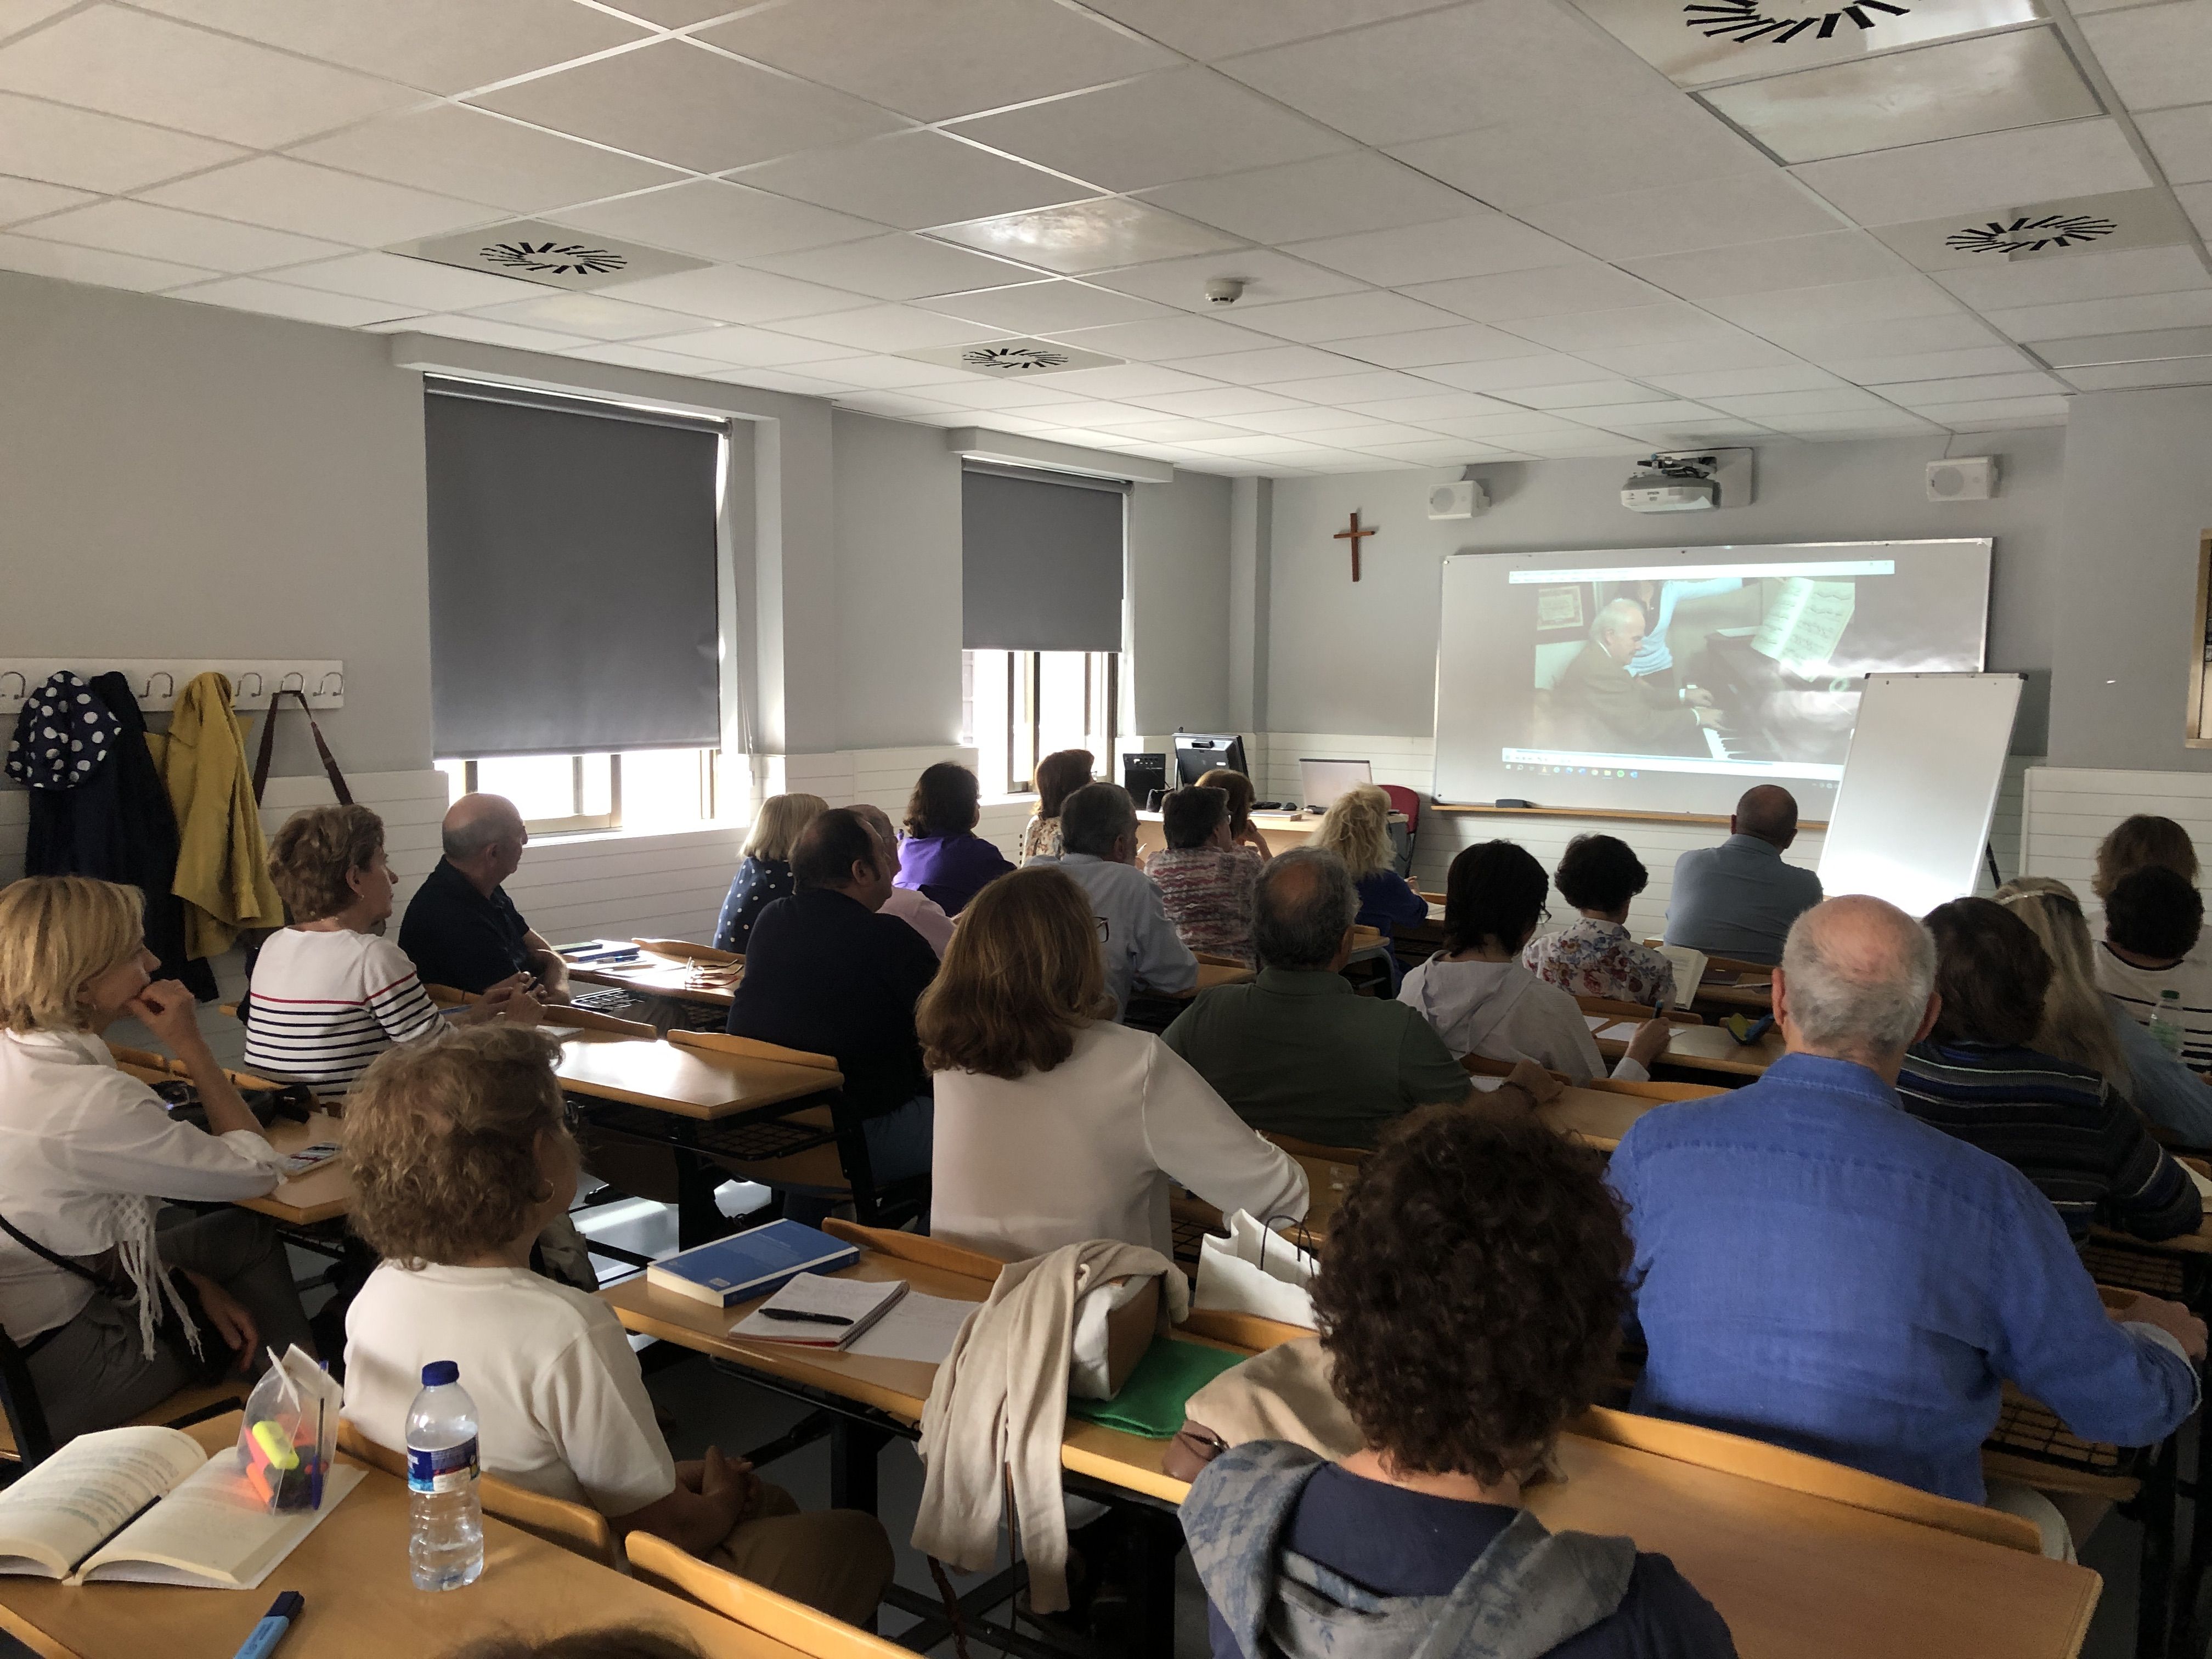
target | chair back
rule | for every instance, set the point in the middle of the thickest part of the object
(721, 1042)
(574, 1527)
(1654, 1090)
(684, 950)
(1483, 1066)
(30, 1442)
(661, 1563)
(1406, 801)
(1755, 1460)
(917, 1248)
(590, 1019)
(1622, 1010)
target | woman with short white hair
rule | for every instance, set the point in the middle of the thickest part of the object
(86, 1155)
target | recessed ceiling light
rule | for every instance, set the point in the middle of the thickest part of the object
(1701, 43)
(550, 254)
(2039, 230)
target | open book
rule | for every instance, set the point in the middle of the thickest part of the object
(148, 1506)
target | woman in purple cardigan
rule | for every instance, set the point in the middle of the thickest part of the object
(941, 854)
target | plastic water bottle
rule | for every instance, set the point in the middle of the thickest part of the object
(2166, 1022)
(445, 1548)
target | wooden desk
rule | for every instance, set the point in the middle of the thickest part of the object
(321, 1195)
(691, 1082)
(653, 978)
(353, 1571)
(1281, 830)
(1709, 1049)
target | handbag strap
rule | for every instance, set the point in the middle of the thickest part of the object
(59, 1260)
(269, 743)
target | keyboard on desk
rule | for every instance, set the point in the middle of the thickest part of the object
(609, 999)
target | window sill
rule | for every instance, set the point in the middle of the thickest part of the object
(586, 837)
(1027, 799)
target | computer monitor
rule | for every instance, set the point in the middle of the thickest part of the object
(1321, 781)
(1198, 752)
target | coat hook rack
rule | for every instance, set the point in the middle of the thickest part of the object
(168, 686)
(252, 679)
(249, 684)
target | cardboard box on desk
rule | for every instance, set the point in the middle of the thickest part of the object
(1115, 1324)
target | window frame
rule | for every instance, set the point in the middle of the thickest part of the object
(1024, 722)
(581, 822)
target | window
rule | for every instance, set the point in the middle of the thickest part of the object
(664, 789)
(1017, 706)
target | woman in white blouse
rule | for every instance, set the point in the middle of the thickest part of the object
(1055, 1125)
(88, 1154)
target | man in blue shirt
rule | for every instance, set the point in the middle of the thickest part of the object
(1816, 1267)
(1739, 898)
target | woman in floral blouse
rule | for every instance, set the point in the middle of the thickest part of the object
(1600, 876)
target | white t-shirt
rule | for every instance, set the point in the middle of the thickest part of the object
(326, 1004)
(2136, 990)
(561, 1403)
(1023, 1165)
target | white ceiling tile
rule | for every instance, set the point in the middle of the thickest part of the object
(1086, 413)
(2127, 377)
(777, 380)
(933, 61)
(1641, 224)
(757, 348)
(1172, 337)
(16, 16)
(1560, 155)
(1478, 244)
(1328, 195)
(1468, 343)
(1175, 431)
(1429, 407)
(1847, 423)
(1584, 395)
(456, 150)
(732, 293)
(680, 103)
(1586, 284)
(1994, 409)
(1930, 93)
(289, 195)
(65, 146)
(2150, 345)
(897, 405)
(1268, 277)
(596, 316)
(913, 180)
(1573, 448)
(161, 233)
(1277, 363)
(1828, 400)
(482, 330)
(900, 266)
(1437, 452)
(280, 300)
(725, 222)
(1716, 384)
(1156, 129)
(149, 68)
(1128, 381)
(1919, 394)
(1632, 326)
(1296, 418)
(1263, 445)
(2085, 276)
(1338, 389)
(1889, 368)
(2121, 315)
(1220, 27)
(434, 44)
(85, 264)
(1057, 305)
(1368, 435)
(660, 361)
(1503, 374)
(2182, 140)
(2197, 200)
(1883, 299)
(1831, 257)
(1083, 237)
(888, 328)
(2156, 55)
(1823, 342)
(1734, 351)
(1990, 171)
(27, 198)
(1508, 426)
(977, 392)
(420, 284)
(1344, 317)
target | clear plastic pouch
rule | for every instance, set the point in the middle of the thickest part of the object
(290, 1433)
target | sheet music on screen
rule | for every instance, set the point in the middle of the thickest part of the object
(1670, 679)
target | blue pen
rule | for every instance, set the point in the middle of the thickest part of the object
(271, 1631)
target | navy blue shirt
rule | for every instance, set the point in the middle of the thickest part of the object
(459, 937)
(758, 884)
(1396, 1542)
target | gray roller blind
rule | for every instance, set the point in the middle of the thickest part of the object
(571, 579)
(1040, 564)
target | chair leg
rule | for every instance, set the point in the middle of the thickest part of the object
(2154, 1508)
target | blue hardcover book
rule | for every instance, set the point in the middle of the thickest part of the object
(749, 1264)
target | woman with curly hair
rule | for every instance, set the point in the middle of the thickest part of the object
(1356, 829)
(460, 1154)
(1470, 1301)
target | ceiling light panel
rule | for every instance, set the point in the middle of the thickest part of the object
(1706, 41)
(2020, 79)
(1082, 237)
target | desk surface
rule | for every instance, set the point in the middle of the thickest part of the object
(697, 1083)
(321, 1195)
(1793, 1574)
(653, 978)
(1708, 1048)
(353, 1571)
(1281, 832)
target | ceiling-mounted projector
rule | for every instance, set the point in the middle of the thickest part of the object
(1680, 482)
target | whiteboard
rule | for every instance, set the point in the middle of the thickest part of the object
(1920, 787)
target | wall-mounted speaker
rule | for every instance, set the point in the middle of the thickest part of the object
(1966, 479)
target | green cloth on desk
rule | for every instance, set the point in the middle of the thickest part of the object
(1151, 1402)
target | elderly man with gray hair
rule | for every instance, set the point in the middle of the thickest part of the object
(1817, 1267)
(1138, 944)
(461, 929)
(1620, 713)
(1296, 1052)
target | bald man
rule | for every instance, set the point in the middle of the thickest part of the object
(1620, 712)
(1738, 899)
(1816, 1267)
(461, 929)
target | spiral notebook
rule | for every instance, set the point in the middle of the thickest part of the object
(815, 1312)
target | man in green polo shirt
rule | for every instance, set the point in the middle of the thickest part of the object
(1296, 1052)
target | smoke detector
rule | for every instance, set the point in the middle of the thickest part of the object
(1015, 359)
(534, 251)
(1225, 290)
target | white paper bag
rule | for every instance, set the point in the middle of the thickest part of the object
(1256, 1271)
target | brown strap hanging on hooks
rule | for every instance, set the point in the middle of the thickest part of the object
(269, 743)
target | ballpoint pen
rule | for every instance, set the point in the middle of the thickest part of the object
(798, 1316)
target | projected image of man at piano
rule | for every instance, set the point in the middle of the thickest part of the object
(1599, 703)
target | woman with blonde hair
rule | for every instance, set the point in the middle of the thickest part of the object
(2087, 1026)
(97, 1278)
(1058, 776)
(1242, 831)
(765, 874)
(1356, 829)
(1056, 1125)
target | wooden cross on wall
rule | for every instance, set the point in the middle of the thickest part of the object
(1354, 536)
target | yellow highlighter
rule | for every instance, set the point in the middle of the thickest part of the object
(276, 1445)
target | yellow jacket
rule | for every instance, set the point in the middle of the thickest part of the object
(222, 859)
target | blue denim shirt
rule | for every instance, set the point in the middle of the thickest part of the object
(1817, 1268)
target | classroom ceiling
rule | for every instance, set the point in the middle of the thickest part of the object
(1468, 232)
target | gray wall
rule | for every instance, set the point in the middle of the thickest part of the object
(2138, 497)
(1361, 659)
(1179, 586)
(182, 480)
(898, 583)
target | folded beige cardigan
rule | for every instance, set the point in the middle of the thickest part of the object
(1000, 1402)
